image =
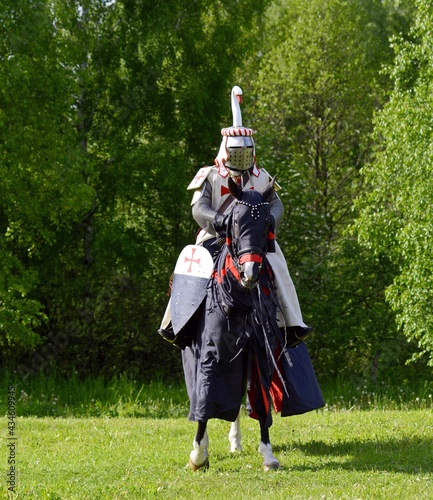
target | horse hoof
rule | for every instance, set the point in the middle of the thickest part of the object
(199, 456)
(235, 447)
(269, 462)
(271, 466)
(195, 467)
(235, 435)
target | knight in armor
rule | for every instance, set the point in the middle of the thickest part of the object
(212, 202)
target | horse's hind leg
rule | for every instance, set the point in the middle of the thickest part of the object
(235, 435)
(265, 448)
(198, 457)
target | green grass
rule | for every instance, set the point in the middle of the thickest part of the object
(124, 440)
(121, 397)
(52, 397)
(354, 455)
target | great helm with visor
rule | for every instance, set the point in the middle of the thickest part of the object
(237, 151)
(240, 148)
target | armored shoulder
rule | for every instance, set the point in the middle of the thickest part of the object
(277, 186)
(199, 178)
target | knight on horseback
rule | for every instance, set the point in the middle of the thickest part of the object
(234, 310)
(212, 202)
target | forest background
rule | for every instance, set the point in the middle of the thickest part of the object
(108, 109)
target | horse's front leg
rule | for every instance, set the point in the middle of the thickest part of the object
(198, 458)
(265, 448)
(235, 435)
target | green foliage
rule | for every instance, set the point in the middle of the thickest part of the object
(104, 119)
(316, 91)
(19, 315)
(40, 171)
(107, 109)
(395, 214)
(122, 396)
(314, 95)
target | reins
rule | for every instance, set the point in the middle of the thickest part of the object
(248, 254)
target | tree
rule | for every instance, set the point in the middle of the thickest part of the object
(314, 96)
(107, 110)
(40, 170)
(395, 214)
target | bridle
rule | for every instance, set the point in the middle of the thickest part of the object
(247, 243)
(245, 256)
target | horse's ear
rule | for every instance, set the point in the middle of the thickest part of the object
(235, 189)
(269, 189)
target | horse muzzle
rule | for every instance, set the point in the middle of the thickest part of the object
(251, 265)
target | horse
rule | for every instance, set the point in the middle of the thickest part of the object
(238, 349)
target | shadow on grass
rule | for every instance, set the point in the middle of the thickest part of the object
(406, 455)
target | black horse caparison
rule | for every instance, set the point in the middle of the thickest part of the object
(238, 348)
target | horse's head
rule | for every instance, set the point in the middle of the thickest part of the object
(250, 232)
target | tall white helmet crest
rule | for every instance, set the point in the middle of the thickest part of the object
(237, 150)
(236, 101)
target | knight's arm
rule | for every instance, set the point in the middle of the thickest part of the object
(204, 215)
(202, 211)
(277, 210)
(276, 206)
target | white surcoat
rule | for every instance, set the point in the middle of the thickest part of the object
(258, 180)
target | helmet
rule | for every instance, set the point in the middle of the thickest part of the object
(237, 150)
(240, 148)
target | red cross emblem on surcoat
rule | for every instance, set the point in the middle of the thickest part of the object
(191, 260)
(225, 190)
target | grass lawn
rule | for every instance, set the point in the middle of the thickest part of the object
(343, 454)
